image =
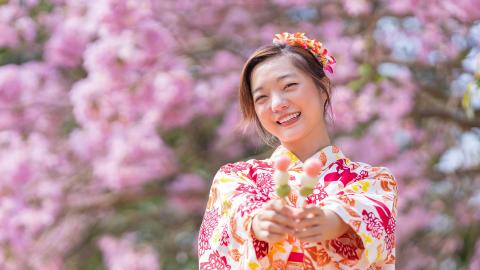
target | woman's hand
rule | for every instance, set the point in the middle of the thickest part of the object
(273, 222)
(314, 224)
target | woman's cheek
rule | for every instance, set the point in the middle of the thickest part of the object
(261, 113)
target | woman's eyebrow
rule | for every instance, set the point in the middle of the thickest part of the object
(279, 78)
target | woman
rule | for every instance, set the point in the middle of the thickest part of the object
(349, 220)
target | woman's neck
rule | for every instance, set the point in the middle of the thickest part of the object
(307, 148)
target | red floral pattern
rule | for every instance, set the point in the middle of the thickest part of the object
(209, 223)
(261, 248)
(317, 195)
(366, 201)
(390, 241)
(345, 250)
(373, 224)
(215, 262)
(342, 173)
(255, 197)
(225, 240)
(348, 245)
(234, 168)
(383, 225)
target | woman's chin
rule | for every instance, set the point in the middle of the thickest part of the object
(290, 137)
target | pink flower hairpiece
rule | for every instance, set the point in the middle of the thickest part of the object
(316, 48)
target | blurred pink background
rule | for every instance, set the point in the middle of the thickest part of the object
(116, 114)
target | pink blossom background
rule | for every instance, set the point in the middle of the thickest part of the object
(116, 114)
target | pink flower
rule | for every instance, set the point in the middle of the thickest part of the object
(342, 99)
(210, 95)
(9, 37)
(407, 165)
(32, 193)
(30, 97)
(10, 84)
(66, 46)
(110, 58)
(154, 39)
(173, 98)
(394, 102)
(414, 220)
(116, 15)
(378, 139)
(364, 107)
(475, 263)
(332, 29)
(349, 67)
(26, 29)
(90, 101)
(134, 155)
(229, 139)
(185, 194)
(225, 61)
(291, 4)
(89, 142)
(402, 6)
(357, 7)
(126, 253)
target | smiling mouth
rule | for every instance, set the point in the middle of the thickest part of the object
(289, 120)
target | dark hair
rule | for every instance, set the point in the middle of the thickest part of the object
(301, 58)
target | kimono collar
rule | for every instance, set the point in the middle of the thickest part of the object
(327, 156)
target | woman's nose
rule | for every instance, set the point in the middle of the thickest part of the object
(279, 102)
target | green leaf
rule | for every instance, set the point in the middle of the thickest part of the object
(225, 180)
(365, 71)
(356, 85)
(467, 100)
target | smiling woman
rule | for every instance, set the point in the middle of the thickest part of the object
(348, 221)
(288, 105)
(292, 65)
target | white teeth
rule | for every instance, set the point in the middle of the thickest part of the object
(288, 117)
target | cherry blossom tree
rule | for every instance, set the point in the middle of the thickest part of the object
(115, 115)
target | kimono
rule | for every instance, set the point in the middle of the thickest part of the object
(364, 197)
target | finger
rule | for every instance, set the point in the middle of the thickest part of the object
(270, 237)
(268, 205)
(276, 228)
(296, 211)
(316, 231)
(277, 205)
(308, 223)
(278, 218)
(315, 210)
(290, 211)
(285, 210)
(266, 234)
(310, 212)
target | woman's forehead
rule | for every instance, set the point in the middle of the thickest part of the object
(276, 64)
(272, 70)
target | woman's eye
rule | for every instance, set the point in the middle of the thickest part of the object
(290, 84)
(259, 98)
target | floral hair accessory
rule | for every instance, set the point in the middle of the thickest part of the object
(316, 48)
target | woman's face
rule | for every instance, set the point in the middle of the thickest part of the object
(287, 101)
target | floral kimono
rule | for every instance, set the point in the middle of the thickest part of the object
(364, 197)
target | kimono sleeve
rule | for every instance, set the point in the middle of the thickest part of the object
(369, 207)
(225, 238)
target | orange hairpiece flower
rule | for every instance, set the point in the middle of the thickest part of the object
(316, 48)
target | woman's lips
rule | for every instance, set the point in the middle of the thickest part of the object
(290, 121)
